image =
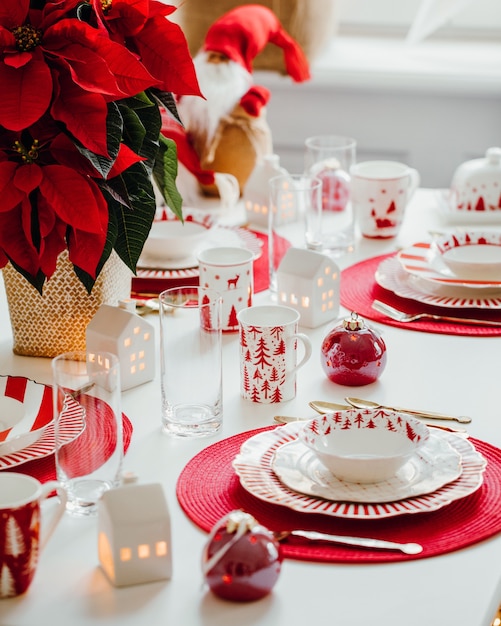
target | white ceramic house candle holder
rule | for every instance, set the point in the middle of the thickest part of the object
(130, 337)
(309, 282)
(134, 535)
(256, 194)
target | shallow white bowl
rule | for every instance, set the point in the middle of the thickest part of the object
(471, 255)
(173, 239)
(364, 446)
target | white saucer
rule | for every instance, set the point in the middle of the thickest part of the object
(435, 465)
(146, 261)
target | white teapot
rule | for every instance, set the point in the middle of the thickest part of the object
(476, 184)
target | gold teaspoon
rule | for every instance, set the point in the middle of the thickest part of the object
(368, 404)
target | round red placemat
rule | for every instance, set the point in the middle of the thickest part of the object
(208, 488)
(44, 469)
(359, 289)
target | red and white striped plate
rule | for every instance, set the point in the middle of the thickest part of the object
(254, 466)
(391, 276)
(420, 261)
(25, 412)
(71, 427)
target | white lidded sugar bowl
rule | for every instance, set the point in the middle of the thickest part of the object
(476, 184)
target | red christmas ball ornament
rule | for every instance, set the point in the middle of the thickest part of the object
(241, 560)
(353, 354)
(335, 185)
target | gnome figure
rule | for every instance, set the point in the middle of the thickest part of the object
(227, 131)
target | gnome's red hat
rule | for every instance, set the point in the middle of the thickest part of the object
(244, 31)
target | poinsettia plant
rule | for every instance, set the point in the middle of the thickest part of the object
(84, 85)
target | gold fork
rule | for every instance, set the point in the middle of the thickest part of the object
(400, 316)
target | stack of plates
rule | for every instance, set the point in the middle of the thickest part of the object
(418, 274)
(277, 468)
(26, 421)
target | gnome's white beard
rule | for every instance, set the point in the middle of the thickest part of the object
(222, 84)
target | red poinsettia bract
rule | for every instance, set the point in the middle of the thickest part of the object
(39, 47)
(141, 25)
(82, 82)
(47, 207)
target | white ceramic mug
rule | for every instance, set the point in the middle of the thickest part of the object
(269, 353)
(380, 192)
(20, 525)
(228, 271)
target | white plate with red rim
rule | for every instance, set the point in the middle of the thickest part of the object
(188, 267)
(472, 256)
(254, 467)
(391, 276)
(421, 261)
(25, 412)
(72, 426)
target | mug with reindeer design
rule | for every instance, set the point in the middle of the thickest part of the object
(380, 192)
(230, 272)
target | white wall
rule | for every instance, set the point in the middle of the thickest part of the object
(430, 109)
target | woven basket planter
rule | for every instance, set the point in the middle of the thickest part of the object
(312, 23)
(55, 322)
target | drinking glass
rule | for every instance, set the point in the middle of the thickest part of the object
(294, 198)
(91, 462)
(191, 361)
(329, 158)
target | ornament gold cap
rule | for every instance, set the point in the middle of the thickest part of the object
(354, 322)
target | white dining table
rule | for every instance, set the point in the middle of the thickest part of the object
(453, 374)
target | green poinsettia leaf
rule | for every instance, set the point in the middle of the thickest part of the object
(167, 100)
(134, 131)
(165, 173)
(142, 125)
(116, 190)
(134, 224)
(139, 101)
(114, 126)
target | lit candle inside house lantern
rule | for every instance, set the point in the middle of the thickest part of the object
(309, 282)
(134, 535)
(256, 193)
(130, 337)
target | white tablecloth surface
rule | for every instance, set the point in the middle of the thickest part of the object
(440, 372)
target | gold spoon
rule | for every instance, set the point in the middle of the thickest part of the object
(323, 407)
(358, 403)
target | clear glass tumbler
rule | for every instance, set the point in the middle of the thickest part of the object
(88, 456)
(329, 158)
(191, 361)
(293, 217)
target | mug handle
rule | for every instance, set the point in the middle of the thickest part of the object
(56, 516)
(415, 179)
(307, 350)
